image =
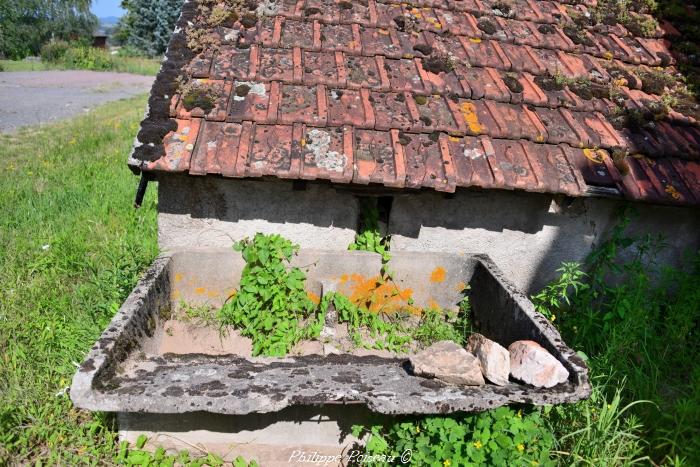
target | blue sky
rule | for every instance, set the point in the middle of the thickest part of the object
(103, 8)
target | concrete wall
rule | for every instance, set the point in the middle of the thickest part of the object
(302, 435)
(528, 235)
(210, 211)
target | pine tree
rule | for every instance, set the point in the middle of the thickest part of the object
(148, 24)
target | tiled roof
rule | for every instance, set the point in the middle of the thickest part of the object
(426, 93)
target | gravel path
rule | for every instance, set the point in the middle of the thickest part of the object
(35, 97)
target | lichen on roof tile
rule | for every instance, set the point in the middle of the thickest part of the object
(435, 94)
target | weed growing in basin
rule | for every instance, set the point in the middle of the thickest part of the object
(437, 325)
(385, 334)
(501, 437)
(201, 315)
(271, 304)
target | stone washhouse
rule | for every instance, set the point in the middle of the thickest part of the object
(488, 139)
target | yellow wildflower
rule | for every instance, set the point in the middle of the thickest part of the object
(553, 318)
(520, 447)
(477, 444)
(447, 463)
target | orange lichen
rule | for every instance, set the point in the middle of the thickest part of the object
(671, 190)
(472, 120)
(200, 290)
(460, 287)
(178, 277)
(438, 274)
(595, 155)
(379, 295)
(313, 297)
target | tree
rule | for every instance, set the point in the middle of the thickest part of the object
(148, 24)
(27, 24)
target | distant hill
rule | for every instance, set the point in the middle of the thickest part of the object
(109, 21)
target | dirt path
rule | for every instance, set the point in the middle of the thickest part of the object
(35, 97)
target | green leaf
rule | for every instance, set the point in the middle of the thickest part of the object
(141, 441)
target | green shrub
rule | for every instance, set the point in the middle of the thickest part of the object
(87, 58)
(500, 437)
(54, 51)
(130, 51)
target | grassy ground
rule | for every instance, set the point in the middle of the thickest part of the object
(72, 248)
(135, 65)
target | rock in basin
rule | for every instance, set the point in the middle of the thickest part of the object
(493, 358)
(532, 364)
(448, 362)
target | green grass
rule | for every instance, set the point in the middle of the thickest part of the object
(135, 65)
(72, 249)
(642, 339)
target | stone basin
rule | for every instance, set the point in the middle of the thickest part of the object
(126, 372)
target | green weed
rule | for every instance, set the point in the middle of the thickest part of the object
(386, 332)
(369, 238)
(200, 315)
(136, 455)
(638, 324)
(271, 303)
(500, 437)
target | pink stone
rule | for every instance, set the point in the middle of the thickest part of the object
(448, 362)
(532, 364)
(494, 358)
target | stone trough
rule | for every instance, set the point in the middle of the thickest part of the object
(126, 372)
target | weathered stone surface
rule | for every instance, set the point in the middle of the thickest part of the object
(123, 371)
(448, 362)
(532, 364)
(493, 357)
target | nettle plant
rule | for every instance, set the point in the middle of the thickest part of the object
(501, 437)
(271, 305)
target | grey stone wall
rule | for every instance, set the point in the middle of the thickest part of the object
(528, 235)
(209, 211)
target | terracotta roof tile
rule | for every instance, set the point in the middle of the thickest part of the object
(423, 94)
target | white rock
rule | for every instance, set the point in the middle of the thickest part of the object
(532, 364)
(493, 357)
(448, 362)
